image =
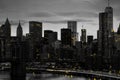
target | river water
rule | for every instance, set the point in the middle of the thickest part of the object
(43, 76)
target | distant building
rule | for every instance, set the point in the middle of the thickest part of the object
(50, 36)
(83, 35)
(66, 37)
(103, 35)
(2, 48)
(35, 29)
(47, 32)
(89, 39)
(7, 29)
(118, 31)
(73, 26)
(19, 31)
(35, 37)
(117, 38)
(109, 11)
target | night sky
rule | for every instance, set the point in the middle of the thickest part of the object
(55, 13)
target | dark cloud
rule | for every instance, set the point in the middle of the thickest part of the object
(41, 14)
(65, 21)
(15, 23)
(55, 11)
(79, 14)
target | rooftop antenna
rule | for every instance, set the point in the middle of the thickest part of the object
(108, 3)
(82, 26)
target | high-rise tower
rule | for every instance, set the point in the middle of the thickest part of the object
(7, 29)
(109, 10)
(106, 34)
(19, 31)
(35, 29)
(83, 35)
(74, 35)
(66, 36)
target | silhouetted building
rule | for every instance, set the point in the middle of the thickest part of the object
(118, 31)
(35, 29)
(19, 56)
(7, 35)
(103, 34)
(83, 35)
(50, 36)
(89, 39)
(109, 11)
(66, 37)
(19, 31)
(73, 26)
(7, 29)
(47, 32)
(2, 48)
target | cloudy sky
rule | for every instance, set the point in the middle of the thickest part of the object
(55, 13)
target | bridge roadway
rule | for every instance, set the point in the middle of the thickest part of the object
(81, 72)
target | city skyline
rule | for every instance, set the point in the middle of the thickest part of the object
(54, 16)
(49, 42)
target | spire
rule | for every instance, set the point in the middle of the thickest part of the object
(19, 25)
(7, 21)
(19, 30)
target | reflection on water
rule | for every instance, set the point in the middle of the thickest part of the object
(4, 76)
(45, 76)
(52, 77)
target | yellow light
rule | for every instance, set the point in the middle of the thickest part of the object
(38, 25)
(94, 79)
(48, 55)
(71, 76)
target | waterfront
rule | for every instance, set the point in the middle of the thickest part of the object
(43, 76)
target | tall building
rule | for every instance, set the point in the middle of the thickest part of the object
(7, 35)
(106, 33)
(19, 31)
(89, 39)
(52, 37)
(47, 32)
(83, 35)
(66, 36)
(2, 48)
(73, 26)
(109, 10)
(35, 29)
(7, 29)
(103, 34)
(118, 31)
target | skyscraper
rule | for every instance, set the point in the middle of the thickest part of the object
(109, 10)
(19, 31)
(89, 39)
(73, 26)
(7, 29)
(103, 34)
(118, 31)
(35, 29)
(47, 32)
(7, 35)
(83, 35)
(66, 36)
(50, 36)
